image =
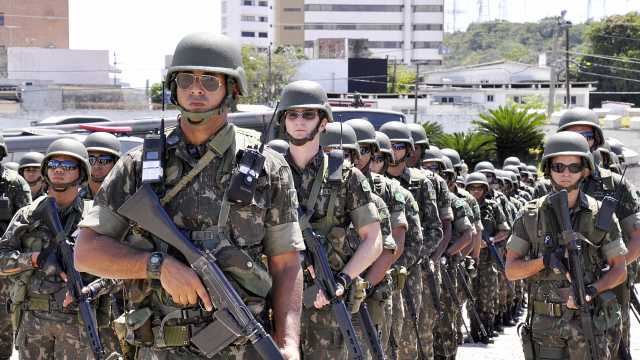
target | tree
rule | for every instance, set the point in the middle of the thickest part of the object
(405, 79)
(614, 37)
(156, 93)
(472, 146)
(256, 66)
(515, 132)
(433, 130)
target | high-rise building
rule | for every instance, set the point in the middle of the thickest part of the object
(407, 31)
(34, 23)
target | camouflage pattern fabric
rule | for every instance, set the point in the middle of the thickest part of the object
(392, 351)
(408, 343)
(268, 226)
(541, 188)
(85, 192)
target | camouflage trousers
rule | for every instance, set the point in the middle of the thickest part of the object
(397, 322)
(446, 336)
(44, 335)
(320, 335)
(185, 353)
(561, 338)
(485, 288)
(380, 312)
(431, 289)
(6, 329)
(408, 342)
(621, 337)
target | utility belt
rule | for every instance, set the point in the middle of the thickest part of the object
(46, 303)
(383, 290)
(552, 309)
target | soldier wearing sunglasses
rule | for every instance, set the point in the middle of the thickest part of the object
(343, 200)
(603, 182)
(536, 251)
(206, 79)
(104, 152)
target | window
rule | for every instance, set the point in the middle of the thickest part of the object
(375, 118)
(428, 8)
(292, 9)
(358, 8)
(308, 44)
(490, 98)
(351, 26)
(263, 34)
(517, 100)
(384, 44)
(428, 27)
(426, 44)
(573, 100)
(263, 3)
(247, 3)
(293, 27)
(1, 19)
(248, 34)
(248, 18)
(263, 19)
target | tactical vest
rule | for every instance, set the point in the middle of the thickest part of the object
(6, 206)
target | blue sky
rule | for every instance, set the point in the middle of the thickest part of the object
(141, 32)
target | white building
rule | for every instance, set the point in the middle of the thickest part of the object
(250, 22)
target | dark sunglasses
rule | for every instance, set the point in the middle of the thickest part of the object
(378, 158)
(433, 167)
(364, 150)
(66, 165)
(587, 135)
(101, 160)
(573, 168)
(307, 114)
(399, 146)
(186, 80)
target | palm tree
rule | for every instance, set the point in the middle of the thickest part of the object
(516, 132)
(472, 146)
(433, 130)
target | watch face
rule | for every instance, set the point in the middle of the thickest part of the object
(155, 260)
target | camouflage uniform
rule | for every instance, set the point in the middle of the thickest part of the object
(85, 192)
(603, 183)
(17, 190)
(557, 331)
(350, 202)
(47, 330)
(486, 284)
(541, 188)
(446, 333)
(268, 226)
(413, 243)
(415, 180)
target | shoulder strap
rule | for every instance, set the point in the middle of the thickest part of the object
(530, 217)
(315, 192)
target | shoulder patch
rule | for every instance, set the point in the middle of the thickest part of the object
(365, 185)
(399, 197)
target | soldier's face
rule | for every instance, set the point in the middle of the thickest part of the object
(196, 94)
(566, 178)
(300, 124)
(586, 131)
(377, 163)
(64, 174)
(101, 163)
(399, 150)
(477, 190)
(31, 174)
(365, 156)
(415, 156)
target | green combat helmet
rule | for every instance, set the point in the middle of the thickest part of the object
(511, 160)
(212, 53)
(453, 155)
(384, 144)
(532, 170)
(69, 147)
(485, 167)
(365, 132)
(399, 132)
(434, 155)
(419, 135)
(566, 143)
(582, 116)
(30, 159)
(476, 178)
(303, 94)
(103, 142)
(514, 169)
(279, 145)
(340, 136)
(12, 165)
(3, 148)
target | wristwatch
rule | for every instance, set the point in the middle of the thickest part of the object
(154, 264)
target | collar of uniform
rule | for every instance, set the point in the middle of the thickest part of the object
(219, 143)
(406, 175)
(76, 205)
(583, 202)
(223, 139)
(315, 163)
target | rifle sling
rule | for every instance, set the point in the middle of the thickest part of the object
(313, 196)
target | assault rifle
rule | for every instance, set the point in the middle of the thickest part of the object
(635, 303)
(560, 204)
(231, 319)
(463, 276)
(496, 256)
(49, 210)
(411, 306)
(448, 284)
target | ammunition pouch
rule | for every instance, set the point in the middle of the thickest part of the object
(384, 290)
(608, 312)
(399, 277)
(250, 274)
(338, 248)
(526, 337)
(357, 292)
(136, 325)
(5, 208)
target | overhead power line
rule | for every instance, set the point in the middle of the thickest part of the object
(607, 57)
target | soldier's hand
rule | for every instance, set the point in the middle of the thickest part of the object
(68, 299)
(183, 284)
(571, 302)
(321, 299)
(552, 260)
(290, 353)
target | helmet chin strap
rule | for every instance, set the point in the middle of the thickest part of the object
(306, 139)
(98, 179)
(557, 187)
(201, 118)
(34, 183)
(64, 187)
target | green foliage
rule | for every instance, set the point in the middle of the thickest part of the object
(433, 130)
(156, 93)
(497, 40)
(405, 79)
(617, 36)
(472, 146)
(515, 132)
(256, 66)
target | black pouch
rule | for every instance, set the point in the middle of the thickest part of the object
(524, 331)
(5, 208)
(138, 327)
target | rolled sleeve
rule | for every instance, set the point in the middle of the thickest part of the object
(630, 223)
(283, 238)
(398, 219)
(445, 213)
(388, 243)
(614, 249)
(103, 220)
(518, 244)
(461, 225)
(364, 215)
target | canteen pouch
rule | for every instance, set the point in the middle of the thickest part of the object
(524, 331)
(357, 294)
(607, 311)
(5, 208)
(251, 275)
(400, 277)
(138, 327)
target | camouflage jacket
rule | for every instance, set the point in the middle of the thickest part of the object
(443, 201)
(17, 192)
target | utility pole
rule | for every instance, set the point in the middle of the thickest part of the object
(567, 25)
(115, 70)
(552, 68)
(270, 77)
(415, 103)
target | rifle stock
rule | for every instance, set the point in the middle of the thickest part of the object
(49, 210)
(231, 319)
(560, 204)
(463, 275)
